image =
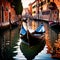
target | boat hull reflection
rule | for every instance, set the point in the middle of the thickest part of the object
(31, 51)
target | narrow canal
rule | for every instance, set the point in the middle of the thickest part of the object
(12, 46)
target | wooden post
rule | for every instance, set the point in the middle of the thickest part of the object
(10, 19)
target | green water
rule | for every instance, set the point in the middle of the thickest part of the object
(13, 48)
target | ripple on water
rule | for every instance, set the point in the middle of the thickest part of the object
(19, 55)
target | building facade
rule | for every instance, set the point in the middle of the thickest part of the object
(40, 9)
(7, 13)
(38, 6)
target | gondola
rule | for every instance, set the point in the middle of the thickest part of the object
(34, 37)
(55, 25)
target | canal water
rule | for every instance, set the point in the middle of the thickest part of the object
(12, 47)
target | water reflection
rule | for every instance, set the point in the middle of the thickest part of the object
(7, 41)
(52, 38)
(31, 51)
(19, 55)
(43, 55)
(55, 43)
(11, 47)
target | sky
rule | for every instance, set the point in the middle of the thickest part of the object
(26, 2)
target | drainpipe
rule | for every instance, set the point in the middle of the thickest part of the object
(41, 7)
(2, 14)
(38, 9)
